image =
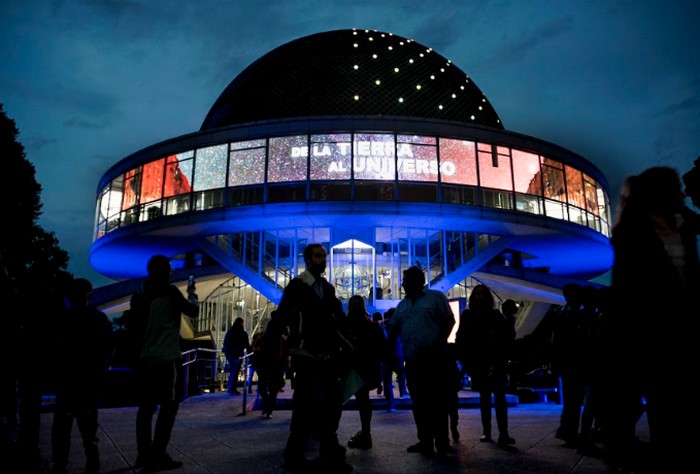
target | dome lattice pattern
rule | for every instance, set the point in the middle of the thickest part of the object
(351, 72)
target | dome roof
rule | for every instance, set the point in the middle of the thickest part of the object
(351, 72)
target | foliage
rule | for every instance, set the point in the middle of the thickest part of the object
(31, 255)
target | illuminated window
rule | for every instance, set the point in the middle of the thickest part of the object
(457, 162)
(494, 167)
(554, 184)
(288, 159)
(210, 168)
(247, 163)
(416, 158)
(373, 156)
(330, 157)
(526, 172)
(574, 187)
(178, 174)
(152, 181)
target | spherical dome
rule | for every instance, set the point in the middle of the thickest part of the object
(351, 72)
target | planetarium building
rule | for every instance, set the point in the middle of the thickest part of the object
(379, 148)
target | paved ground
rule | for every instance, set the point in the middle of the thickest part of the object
(212, 435)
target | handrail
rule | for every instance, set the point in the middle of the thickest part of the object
(192, 355)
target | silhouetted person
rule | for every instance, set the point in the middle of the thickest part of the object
(484, 341)
(315, 318)
(455, 385)
(160, 363)
(424, 320)
(395, 364)
(569, 360)
(649, 339)
(369, 341)
(84, 351)
(271, 362)
(8, 365)
(236, 345)
(594, 305)
(691, 179)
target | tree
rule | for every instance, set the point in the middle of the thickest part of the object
(28, 251)
(34, 278)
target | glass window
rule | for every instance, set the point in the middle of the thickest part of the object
(574, 187)
(178, 174)
(288, 157)
(553, 181)
(457, 162)
(589, 190)
(113, 200)
(494, 169)
(132, 184)
(554, 209)
(247, 167)
(330, 157)
(152, 181)
(528, 203)
(416, 162)
(210, 168)
(419, 139)
(526, 172)
(248, 144)
(373, 156)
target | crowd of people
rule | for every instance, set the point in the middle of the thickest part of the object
(617, 352)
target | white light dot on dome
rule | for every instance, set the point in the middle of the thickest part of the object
(377, 82)
(442, 70)
(354, 32)
(483, 100)
(396, 69)
(356, 67)
(422, 55)
(354, 45)
(401, 99)
(473, 117)
(461, 87)
(418, 86)
(440, 107)
(432, 77)
(356, 97)
(374, 56)
(454, 96)
(371, 39)
(366, 31)
(410, 61)
(391, 48)
(481, 108)
(401, 43)
(383, 35)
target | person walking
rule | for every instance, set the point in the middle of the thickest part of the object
(319, 357)
(84, 351)
(159, 305)
(484, 341)
(369, 341)
(424, 320)
(236, 345)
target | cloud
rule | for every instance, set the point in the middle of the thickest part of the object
(75, 122)
(689, 104)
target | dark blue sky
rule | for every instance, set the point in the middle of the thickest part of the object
(90, 82)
